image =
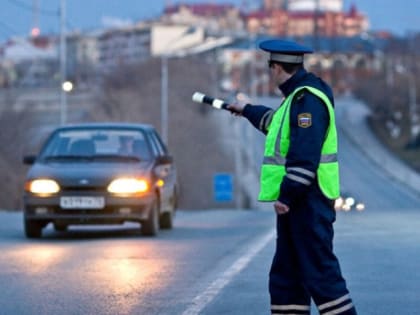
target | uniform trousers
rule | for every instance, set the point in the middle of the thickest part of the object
(304, 265)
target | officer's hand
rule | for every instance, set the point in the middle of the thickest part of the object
(281, 208)
(237, 108)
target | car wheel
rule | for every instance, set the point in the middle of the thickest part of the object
(60, 227)
(33, 229)
(150, 227)
(166, 220)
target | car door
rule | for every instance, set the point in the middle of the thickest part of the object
(166, 170)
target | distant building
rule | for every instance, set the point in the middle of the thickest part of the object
(315, 5)
(215, 18)
(275, 17)
(22, 49)
(124, 46)
(82, 56)
(29, 62)
(274, 4)
(304, 20)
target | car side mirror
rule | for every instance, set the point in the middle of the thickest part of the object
(29, 159)
(163, 167)
(164, 159)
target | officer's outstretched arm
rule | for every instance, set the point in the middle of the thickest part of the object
(259, 116)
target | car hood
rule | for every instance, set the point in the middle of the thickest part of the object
(89, 174)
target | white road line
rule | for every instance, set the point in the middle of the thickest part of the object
(203, 299)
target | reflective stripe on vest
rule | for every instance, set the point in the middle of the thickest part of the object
(277, 145)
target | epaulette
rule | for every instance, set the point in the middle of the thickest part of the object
(299, 95)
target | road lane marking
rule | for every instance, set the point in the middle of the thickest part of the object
(203, 299)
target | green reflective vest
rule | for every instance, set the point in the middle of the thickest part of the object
(277, 145)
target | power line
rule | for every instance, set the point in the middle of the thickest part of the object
(55, 13)
(29, 7)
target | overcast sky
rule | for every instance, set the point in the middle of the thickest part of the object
(16, 17)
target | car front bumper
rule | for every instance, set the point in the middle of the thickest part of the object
(116, 210)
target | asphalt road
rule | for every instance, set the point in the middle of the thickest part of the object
(214, 261)
(109, 270)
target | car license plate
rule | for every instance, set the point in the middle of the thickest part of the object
(82, 202)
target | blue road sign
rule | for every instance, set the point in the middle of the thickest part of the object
(223, 187)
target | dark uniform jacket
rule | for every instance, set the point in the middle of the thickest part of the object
(305, 142)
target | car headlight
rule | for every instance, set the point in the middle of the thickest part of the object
(43, 186)
(128, 186)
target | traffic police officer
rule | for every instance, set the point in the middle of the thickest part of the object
(300, 175)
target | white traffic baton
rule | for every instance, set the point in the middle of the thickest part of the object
(214, 102)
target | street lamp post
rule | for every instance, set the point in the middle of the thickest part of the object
(164, 109)
(63, 96)
(164, 97)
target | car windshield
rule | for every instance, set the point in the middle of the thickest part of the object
(97, 144)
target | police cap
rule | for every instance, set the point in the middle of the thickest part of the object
(285, 51)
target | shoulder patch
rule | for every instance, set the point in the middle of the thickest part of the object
(305, 120)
